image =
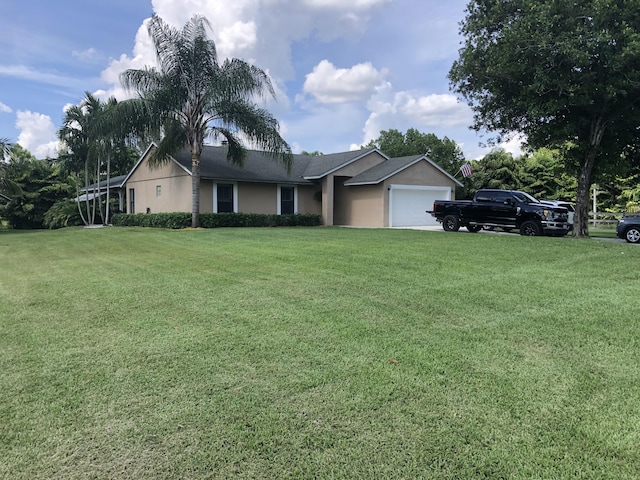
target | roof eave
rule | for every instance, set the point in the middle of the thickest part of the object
(342, 165)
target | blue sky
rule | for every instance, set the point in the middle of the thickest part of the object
(343, 69)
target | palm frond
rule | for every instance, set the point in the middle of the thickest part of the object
(173, 140)
(243, 80)
(258, 125)
(5, 148)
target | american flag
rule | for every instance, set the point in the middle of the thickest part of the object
(466, 170)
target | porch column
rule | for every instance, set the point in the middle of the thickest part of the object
(327, 201)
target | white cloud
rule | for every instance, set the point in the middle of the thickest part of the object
(260, 31)
(5, 108)
(37, 134)
(404, 110)
(143, 55)
(342, 4)
(89, 55)
(514, 145)
(27, 73)
(239, 37)
(329, 84)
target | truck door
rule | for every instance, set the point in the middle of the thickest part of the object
(504, 209)
(480, 209)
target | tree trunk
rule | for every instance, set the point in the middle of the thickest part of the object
(581, 220)
(195, 189)
(86, 191)
(107, 206)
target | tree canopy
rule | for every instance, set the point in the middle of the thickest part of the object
(40, 185)
(445, 152)
(191, 97)
(564, 73)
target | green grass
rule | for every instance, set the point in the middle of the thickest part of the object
(317, 353)
(603, 232)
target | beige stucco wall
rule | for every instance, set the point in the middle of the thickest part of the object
(261, 198)
(257, 198)
(175, 189)
(307, 201)
(329, 202)
(206, 196)
(360, 206)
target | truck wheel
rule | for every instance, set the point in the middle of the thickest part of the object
(632, 235)
(450, 223)
(530, 228)
(474, 228)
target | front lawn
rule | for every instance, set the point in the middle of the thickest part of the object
(317, 353)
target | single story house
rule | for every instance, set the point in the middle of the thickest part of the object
(362, 188)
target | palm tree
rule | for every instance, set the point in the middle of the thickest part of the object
(93, 133)
(190, 97)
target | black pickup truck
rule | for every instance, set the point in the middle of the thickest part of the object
(507, 209)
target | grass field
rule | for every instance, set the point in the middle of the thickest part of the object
(317, 353)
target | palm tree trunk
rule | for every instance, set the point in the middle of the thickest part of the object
(106, 208)
(86, 190)
(195, 189)
(84, 220)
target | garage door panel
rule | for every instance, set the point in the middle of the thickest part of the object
(408, 205)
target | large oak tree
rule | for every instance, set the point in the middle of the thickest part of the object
(566, 73)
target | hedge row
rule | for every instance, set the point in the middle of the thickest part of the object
(214, 220)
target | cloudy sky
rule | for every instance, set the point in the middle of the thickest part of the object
(343, 69)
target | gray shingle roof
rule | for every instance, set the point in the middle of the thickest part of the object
(257, 166)
(384, 170)
(324, 164)
(260, 167)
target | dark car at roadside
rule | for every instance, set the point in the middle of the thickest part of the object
(628, 228)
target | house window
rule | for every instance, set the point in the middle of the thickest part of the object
(132, 200)
(287, 200)
(224, 198)
(158, 190)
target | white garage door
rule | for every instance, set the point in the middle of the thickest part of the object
(408, 204)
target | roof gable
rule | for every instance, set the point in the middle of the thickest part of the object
(323, 165)
(391, 167)
(142, 158)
